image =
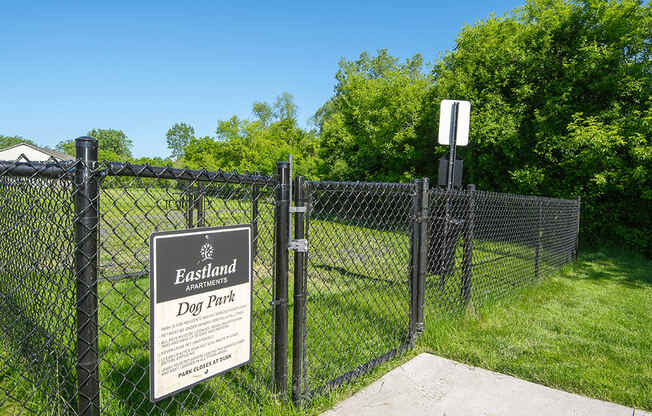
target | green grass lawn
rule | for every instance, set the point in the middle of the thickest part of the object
(586, 330)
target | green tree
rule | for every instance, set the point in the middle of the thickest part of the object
(561, 107)
(111, 140)
(114, 145)
(256, 145)
(178, 137)
(371, 128)
(6, 141)
(263, 112)
(284, 107)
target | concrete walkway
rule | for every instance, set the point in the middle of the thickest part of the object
(434, 386)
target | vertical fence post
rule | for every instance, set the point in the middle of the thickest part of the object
(199, 205)
(280, 302)
(422, 187)
(86, 196)
(299, 322)
(189, 205)
(414, 261)
(467, 256)
(419, 257)
(255, 195)
(577, 227)
(537, 250)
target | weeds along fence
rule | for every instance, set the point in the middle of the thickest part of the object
(366, 267)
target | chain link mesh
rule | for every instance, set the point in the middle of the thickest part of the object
(480, 246)
(133, 204)
(357, 293)
(37, 290)
(39, 345)
(367, 246)
(493, 243)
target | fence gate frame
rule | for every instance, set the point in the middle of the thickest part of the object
(418, 249)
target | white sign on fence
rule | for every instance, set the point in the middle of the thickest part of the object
(463, 119)
(200, 305)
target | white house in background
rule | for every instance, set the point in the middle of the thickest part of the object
(33, 153)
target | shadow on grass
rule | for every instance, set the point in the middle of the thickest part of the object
(248, 381)
(612, 265)
(446, 297)
(129, 384)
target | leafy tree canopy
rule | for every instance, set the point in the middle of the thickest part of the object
(178, 137)
(114, 145)
(562, 106)
(6, 141)
(371, 128)
(256, 145)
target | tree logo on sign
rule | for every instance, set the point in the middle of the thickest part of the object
(206, 252)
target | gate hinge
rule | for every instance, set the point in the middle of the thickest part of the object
(300, 245)
(297, 209)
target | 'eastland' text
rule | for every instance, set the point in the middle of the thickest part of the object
(206, 272)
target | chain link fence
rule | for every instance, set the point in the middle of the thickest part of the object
(74, 322)
(136, 201)
(483, 245)
(372, 264)
(384, 259)
(37, 290)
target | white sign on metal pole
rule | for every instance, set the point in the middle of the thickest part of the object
(463, 119)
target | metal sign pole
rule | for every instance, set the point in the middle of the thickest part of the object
(449, 186)
(453, 143)
(291, 196)
(454, 118)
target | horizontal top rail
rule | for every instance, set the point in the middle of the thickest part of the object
(489, 194)
(168, 172)
(334, 185)
(47, 169)
(66, 169)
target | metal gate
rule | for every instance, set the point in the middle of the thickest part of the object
(352, 285)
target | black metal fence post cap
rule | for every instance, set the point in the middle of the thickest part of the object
(86, 139)
(283, 164)
(86, 148)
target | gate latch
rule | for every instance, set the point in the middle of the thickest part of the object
(300, 245)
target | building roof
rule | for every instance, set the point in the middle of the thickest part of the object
(49, 152)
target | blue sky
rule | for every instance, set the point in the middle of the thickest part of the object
(68, 67)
